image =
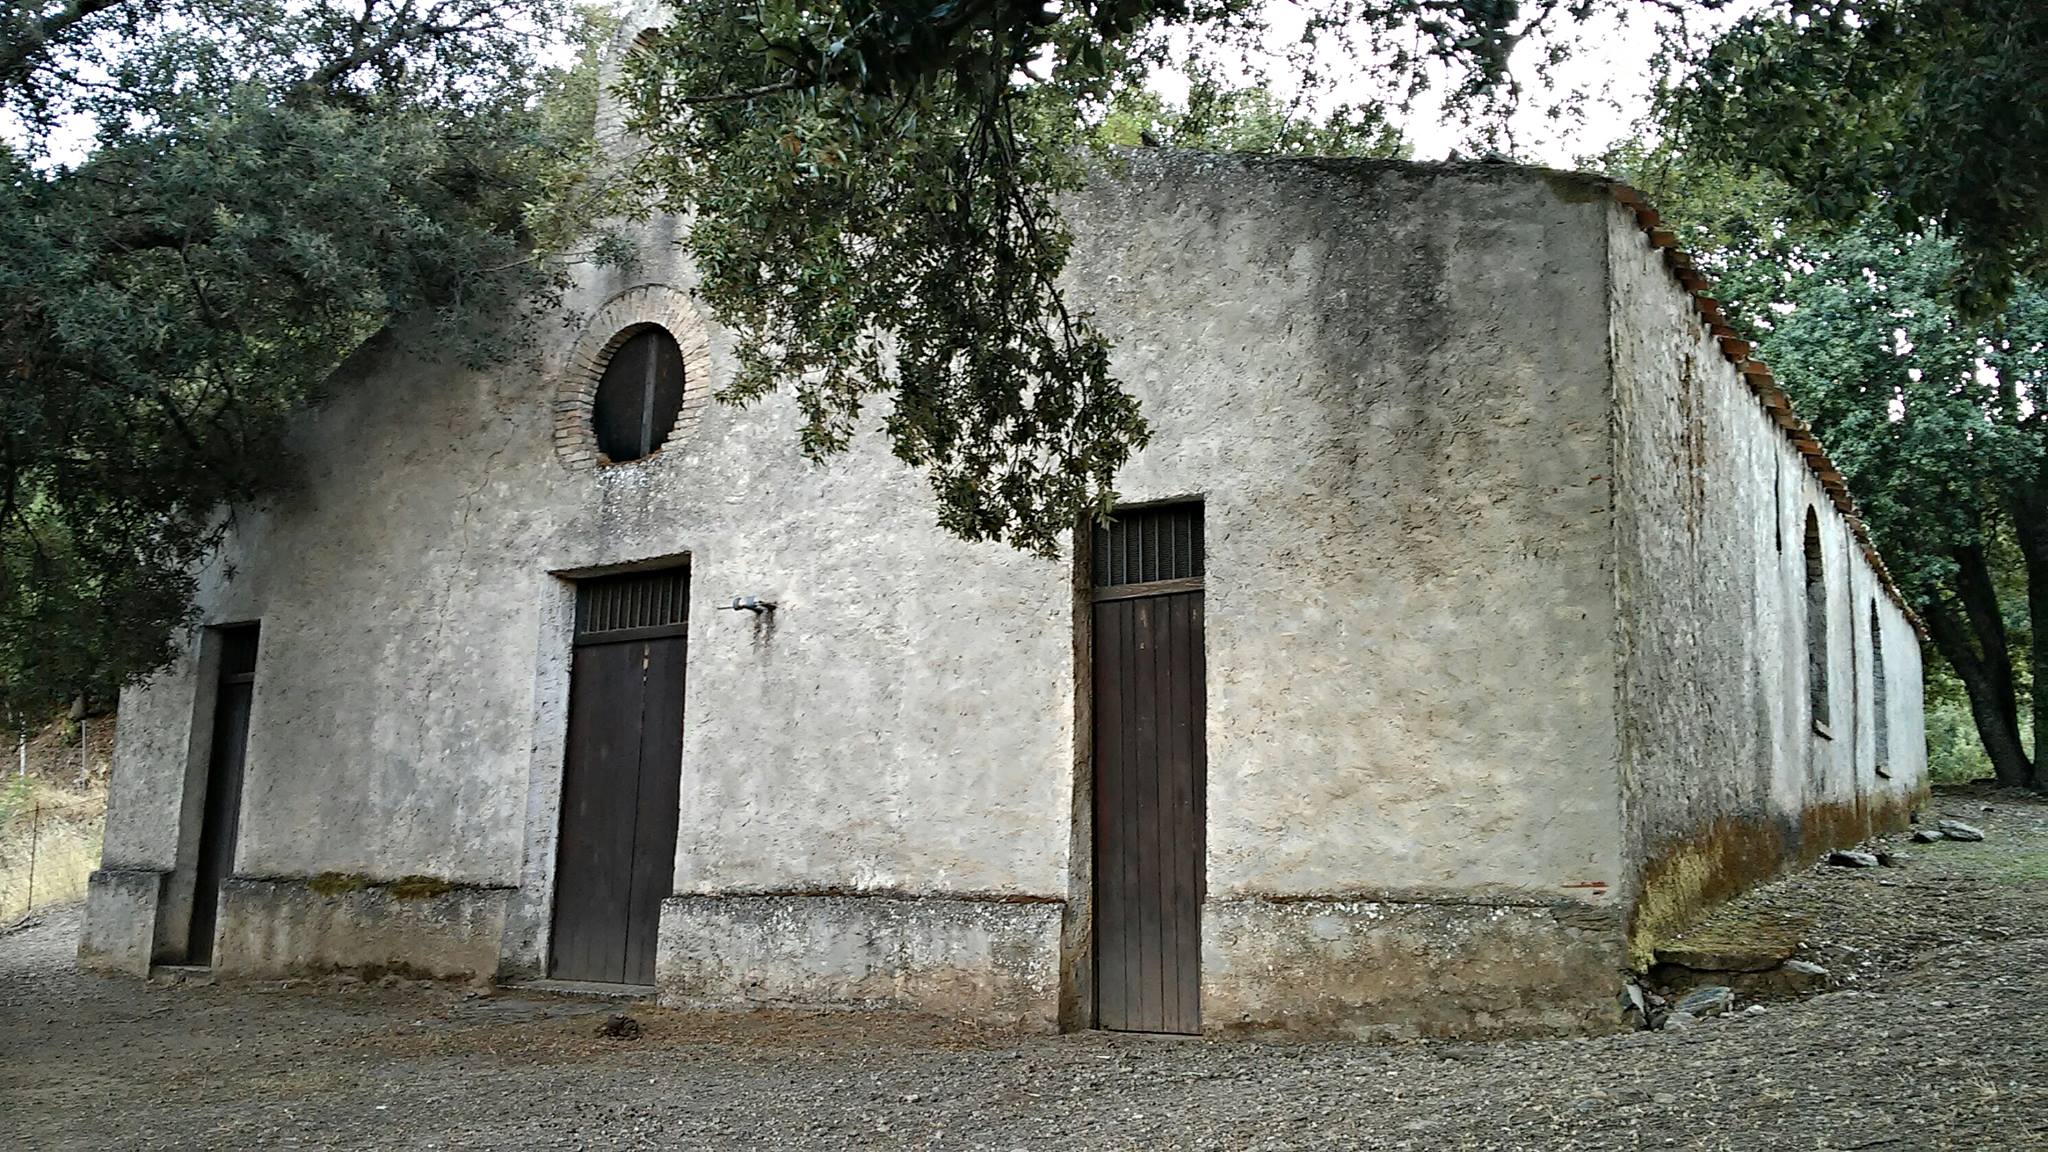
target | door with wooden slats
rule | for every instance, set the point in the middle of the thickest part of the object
(622, 779)
(220, 814)
(1151, 766)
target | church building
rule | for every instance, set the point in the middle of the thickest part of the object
(1479, 615)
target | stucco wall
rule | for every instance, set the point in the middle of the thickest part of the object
(1367, 371)
(413, 669)
(1377, 378)
(1725, 779)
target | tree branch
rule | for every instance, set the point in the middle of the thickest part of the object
(32, 37)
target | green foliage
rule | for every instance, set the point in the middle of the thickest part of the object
(1217, 118)
(874, 182)
(265, 186)
(205, 204)
(874, 190)
(874, 185)
(1928, 111)
(1954, 754)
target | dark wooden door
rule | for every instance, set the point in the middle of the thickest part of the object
(1150, 771)
(223, 806)
(622, 780)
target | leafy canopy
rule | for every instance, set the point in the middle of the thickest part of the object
(261, 184)
(254, 188)
(1219, 118)
(1928, 111)
(875, 186)
(876, 182)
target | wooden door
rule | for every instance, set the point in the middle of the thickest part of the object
(1150, 770)
(220, 816)
(622, 779)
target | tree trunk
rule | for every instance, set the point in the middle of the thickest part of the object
(1988, 684)
(1985, 617)
(2030, 528)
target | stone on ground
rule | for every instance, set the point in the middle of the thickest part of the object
(1957, 830)
(1633, 1008)
(1802, 975)
(1747, 945)
(1851, 858)
(1711, 1000)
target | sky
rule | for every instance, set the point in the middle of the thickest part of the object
(1611, 67)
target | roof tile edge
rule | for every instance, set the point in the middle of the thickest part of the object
(1737, 349)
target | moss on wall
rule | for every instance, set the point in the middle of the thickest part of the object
(338, 883)
(1693, 876)
(415, 887)
(419, 887)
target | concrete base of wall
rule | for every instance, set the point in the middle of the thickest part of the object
(416, 927)
(988, 961)
(1399, 970)
(120, 920)
(1295, 969)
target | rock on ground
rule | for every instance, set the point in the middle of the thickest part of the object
(1712, 1000)
(1957, 830)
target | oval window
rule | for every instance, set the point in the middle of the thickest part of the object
(639, 396)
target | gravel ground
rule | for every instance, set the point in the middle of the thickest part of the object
(1936, 1036)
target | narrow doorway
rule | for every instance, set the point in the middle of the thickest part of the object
(1150, 764)
(221, 814)
(622, 776)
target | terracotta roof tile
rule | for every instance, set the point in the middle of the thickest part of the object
(1776, 405)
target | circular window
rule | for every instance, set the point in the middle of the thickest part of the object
(639, 396)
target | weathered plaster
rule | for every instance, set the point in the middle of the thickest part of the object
(426, 928)
(1463, 630)
(120, 920)
(1394, 970)
(1359, 367)
(157, 730)
(989, 960)
(1724, 779)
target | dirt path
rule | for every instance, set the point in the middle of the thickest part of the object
(1939, 1041)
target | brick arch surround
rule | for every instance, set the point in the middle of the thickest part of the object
(615, 321)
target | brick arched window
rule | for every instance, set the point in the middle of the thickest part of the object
(637, 379)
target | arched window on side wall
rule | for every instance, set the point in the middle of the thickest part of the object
(1816, 625)
(1880, 707)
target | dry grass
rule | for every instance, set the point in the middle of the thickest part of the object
(55, 812)
(50, 831)
(49, 835)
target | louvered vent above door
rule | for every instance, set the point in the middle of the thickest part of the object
(1149, 545)
(634, 606)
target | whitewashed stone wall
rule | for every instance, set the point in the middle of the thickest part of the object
(1452, 653)
(1725, 777)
